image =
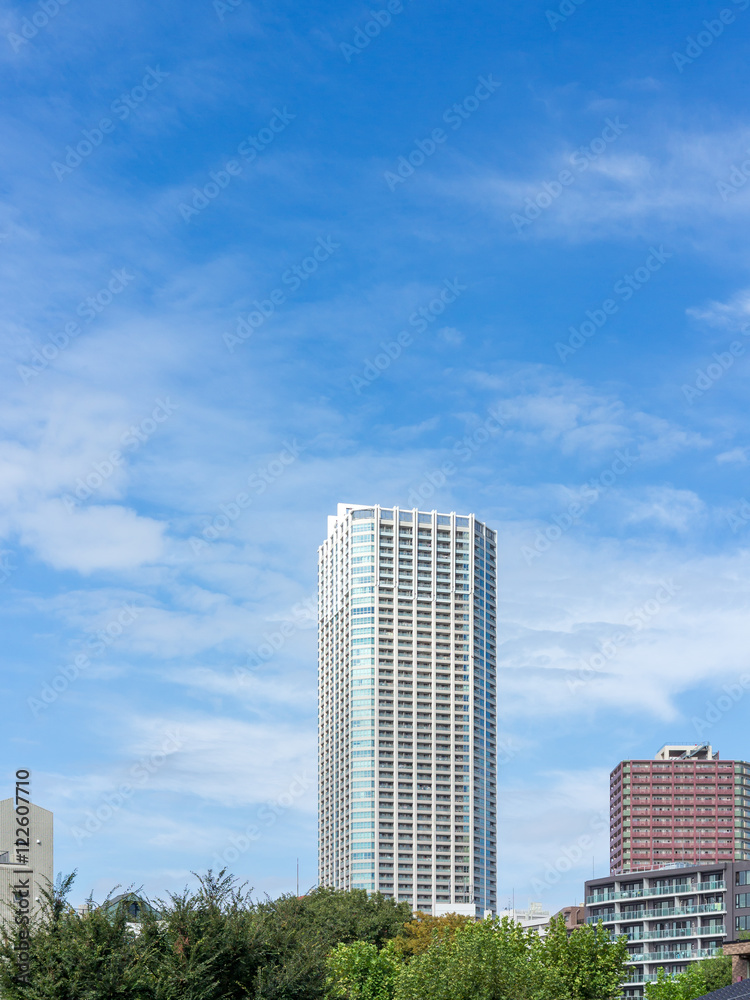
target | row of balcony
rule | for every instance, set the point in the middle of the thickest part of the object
(671, 911)
(656, 890)
(677, 932)
(668, 956)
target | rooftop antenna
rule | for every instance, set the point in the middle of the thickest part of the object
(298, 876)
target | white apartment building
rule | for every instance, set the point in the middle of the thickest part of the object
(407, 707)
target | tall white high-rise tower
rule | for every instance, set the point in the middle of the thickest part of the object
(407, 707)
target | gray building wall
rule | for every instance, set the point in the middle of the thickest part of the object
(34, 864)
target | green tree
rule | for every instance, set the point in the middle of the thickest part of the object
(212, 942)
(199, 945)
(358, 971)
(684, 986)
(420, 932)
(717, 972)
(70, 957)
(488, 960)
(590, 962)
(336, 915)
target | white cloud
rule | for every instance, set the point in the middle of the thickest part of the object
(540, 405)
(553, 826)
(735, 456)
(635, 186)
(677, 510)
(732, 315)
(680, 618)
(228, 761)
(91, 538)
(450, 335)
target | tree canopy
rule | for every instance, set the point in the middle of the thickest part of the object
(215, 942)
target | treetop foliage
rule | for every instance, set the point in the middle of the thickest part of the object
(215, 942)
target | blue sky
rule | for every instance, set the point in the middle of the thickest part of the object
(218, 226)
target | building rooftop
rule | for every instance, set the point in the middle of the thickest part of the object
(737, 991)
(677, 751)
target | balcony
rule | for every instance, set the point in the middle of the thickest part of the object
(672, 911)
(718, 930)
(660, 890)
(672, 956)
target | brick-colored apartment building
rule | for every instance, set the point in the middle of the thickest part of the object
(686, 805)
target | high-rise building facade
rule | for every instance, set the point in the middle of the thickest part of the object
(407, 707)
(685, 805)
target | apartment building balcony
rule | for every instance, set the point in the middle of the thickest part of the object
(717, 930)
(686, 954)
(672, 911)
(657, 890)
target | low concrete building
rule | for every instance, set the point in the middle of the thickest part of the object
(535, 917)
(575, 916)
(26, 861)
